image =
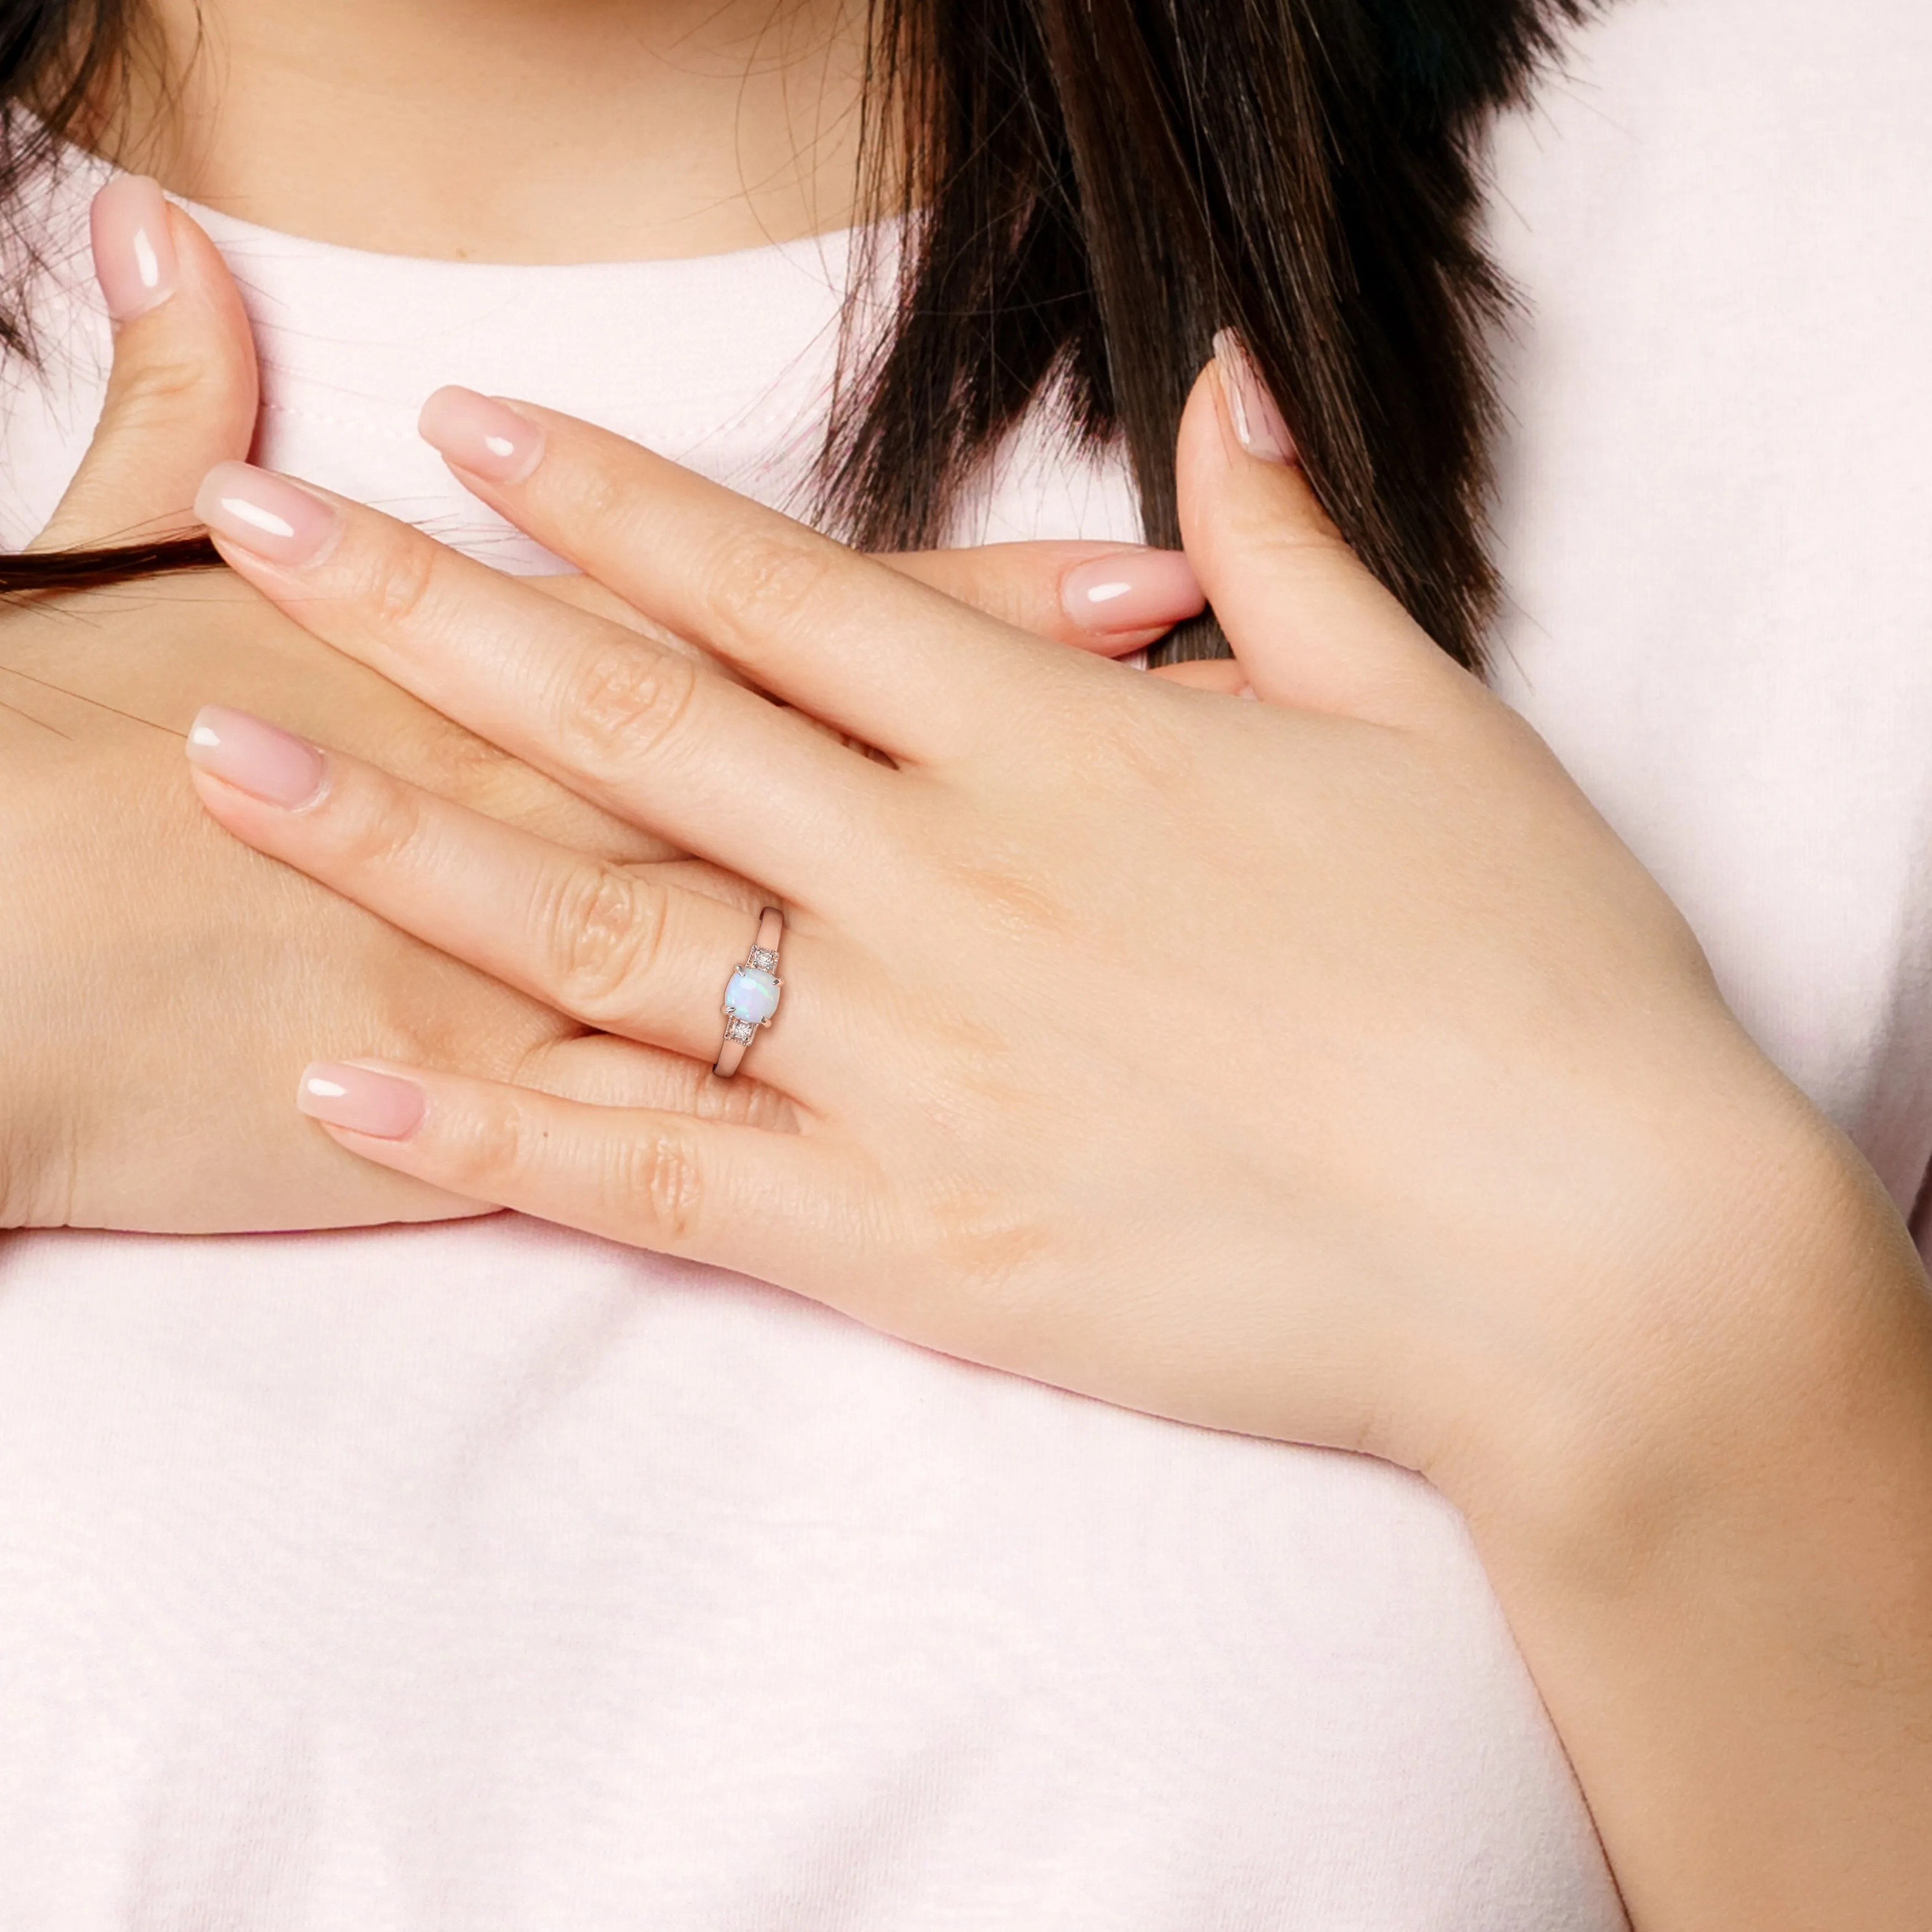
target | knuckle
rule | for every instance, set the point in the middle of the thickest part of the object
(601, 498)
(604, 928)
(768, 582)
(654, 1180)
(741, 1102)
(1148, 750)
(1264, 529)
(991, 1248)
(1016, 903)
(623, 702)
(155, 384)
(491, 1155)
(376, 825)
(1006, 885)
(1289, 518)
(400, 578)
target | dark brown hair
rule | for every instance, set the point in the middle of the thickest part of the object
(1091, 188)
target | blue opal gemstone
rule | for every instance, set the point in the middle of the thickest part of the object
(752, 995)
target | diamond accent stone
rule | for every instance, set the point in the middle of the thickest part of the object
(763, 960)
(741, 1030)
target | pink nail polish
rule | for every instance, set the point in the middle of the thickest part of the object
(380, 1105)
(266, 514)
(134, 252)
(1259, 423)
(1132, 590)
(480, 435)
(260, 759)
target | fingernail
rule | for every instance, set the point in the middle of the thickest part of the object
(266, 514)
(1132, 590)
(1259, 423)
(134, 252)
(261, 759)
(362, 1099)
(480, 435)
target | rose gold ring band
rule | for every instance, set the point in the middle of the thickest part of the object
(751, 993)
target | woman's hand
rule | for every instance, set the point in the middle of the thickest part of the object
(145, 976)
(152, 972)
(1323, 1068)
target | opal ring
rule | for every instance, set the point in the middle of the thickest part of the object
(751, 993)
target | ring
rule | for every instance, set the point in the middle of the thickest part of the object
(751, 993)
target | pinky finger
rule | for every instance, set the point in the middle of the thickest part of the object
(607, 1072)
(737, 1196)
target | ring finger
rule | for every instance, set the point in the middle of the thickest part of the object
(621, 948)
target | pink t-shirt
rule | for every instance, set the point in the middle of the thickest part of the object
(487, 1576)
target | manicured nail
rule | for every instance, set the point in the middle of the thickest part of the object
(266, 514)
(1132, 590)
(261, 759)
(1258, 422)
(134, 252)
(362, 1099)
(480, 435)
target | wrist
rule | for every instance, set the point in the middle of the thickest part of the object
(1723, 1586)
(1776, 1316)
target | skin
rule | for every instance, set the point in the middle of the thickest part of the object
(706, 124)
(1692, 1439)
(1492, 1185)
(166, 988)
(238, 969)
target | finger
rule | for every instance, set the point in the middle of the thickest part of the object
(1219, 675)
(778, 1206)
(1309, 625)
(602, 1072)
(863, 647)
(1111, 599)
(623, 720)
(616, 947)
(182, 394)
(1108, 599)
(586, 594)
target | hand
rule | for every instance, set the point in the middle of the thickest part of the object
(144, 973)
(150, 971)
(1324, 1068)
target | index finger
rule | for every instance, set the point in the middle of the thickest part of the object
(885, 659)
(1109, 598)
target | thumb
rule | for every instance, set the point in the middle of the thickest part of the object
(1309, 624)
(183, 392)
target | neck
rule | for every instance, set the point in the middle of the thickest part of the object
(508, 130)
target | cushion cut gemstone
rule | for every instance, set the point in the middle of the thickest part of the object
(752, 995)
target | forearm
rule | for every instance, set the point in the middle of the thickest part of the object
(1728, 1608)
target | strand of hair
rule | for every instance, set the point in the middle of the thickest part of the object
(49, 573)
